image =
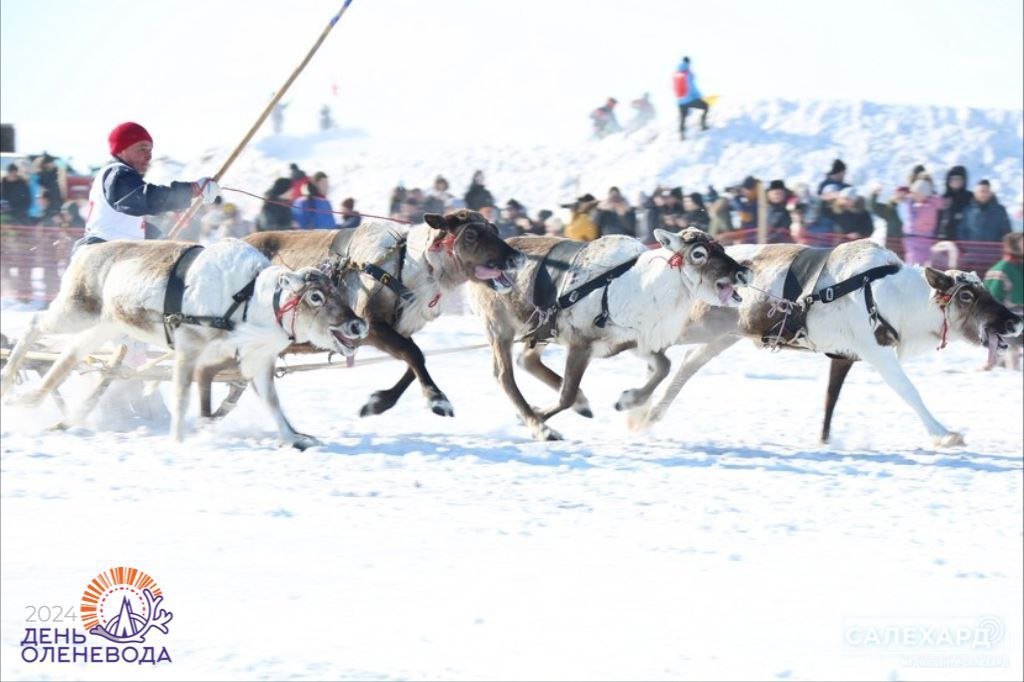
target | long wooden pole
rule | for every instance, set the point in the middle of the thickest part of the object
(762, 213)
(185, 217)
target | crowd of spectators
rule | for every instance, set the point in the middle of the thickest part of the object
(31, 194)
(913, 215)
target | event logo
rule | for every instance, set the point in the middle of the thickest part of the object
(123, 604)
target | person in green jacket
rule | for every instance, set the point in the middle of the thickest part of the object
(1005, 281)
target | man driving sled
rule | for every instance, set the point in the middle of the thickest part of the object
(120, 199)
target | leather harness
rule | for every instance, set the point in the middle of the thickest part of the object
(801, 290)
(339, 253)
(549, 279)
(174, 318)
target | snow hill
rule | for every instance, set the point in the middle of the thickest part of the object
(767, 138)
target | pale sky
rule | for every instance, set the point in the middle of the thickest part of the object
(197, 72)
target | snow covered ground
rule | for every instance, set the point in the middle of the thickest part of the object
(726, 543)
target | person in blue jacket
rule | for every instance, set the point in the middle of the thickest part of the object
(313, 211)
(688, 96)
(984, 219)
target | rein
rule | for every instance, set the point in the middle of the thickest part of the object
(288, 205)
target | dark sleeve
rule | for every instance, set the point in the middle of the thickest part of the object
(1004, 222)
(867, 226)
(128, 193)
(945, 230)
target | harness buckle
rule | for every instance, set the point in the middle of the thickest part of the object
(174, 320)
(828, 294)
(574, 296)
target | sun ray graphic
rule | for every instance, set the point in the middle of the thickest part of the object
(105, 592)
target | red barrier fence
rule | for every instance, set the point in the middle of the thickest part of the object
(32, 259)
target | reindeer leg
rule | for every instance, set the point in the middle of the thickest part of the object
(230, 402)
(381, 401)
(694, 360)
(263, 383)
(884, 360)
(21, 348)
(384, 337)
(530, 360)
(657, 369)
(83, 344)
(575, 365)
(204, 382)
(204, 378)
(182, 373)
(501, 349)
(837, 371)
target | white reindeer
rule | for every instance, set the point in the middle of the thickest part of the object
(645, 308)
(926, 308)
(118, 288)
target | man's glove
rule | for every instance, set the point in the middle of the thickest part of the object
(207, 188)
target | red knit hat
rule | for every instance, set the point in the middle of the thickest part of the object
(125, 135)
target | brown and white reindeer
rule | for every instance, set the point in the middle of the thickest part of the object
(922, 309)
(396, 278)
(119, 287)
(643, 306)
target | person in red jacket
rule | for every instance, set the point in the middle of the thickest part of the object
(688, 97)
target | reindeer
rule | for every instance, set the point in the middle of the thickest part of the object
(119, 287)
(642, 307)
(396, 278)
(922, 310)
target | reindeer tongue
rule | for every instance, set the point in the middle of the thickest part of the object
(993, 346)
(725, 292)
(487, 273)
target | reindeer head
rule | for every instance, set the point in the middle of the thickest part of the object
(479, 254)
(711, 273)
(314, 310)
(970, 311)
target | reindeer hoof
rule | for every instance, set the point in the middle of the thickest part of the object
(33, 399)
(545, 432)
(950, 440)
(441, 407)
(628, 400)
(302, 441)
(584, 411)
(380, 401)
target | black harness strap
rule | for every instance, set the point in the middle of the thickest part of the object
(279, 316)
(566, 300)
(548, 278)
(593, 285)
(174, 318)
(885, 333)
(848, 286)
(392, 282)
(339, 249)
(176, 291)
(552, 270)
(801, 279)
